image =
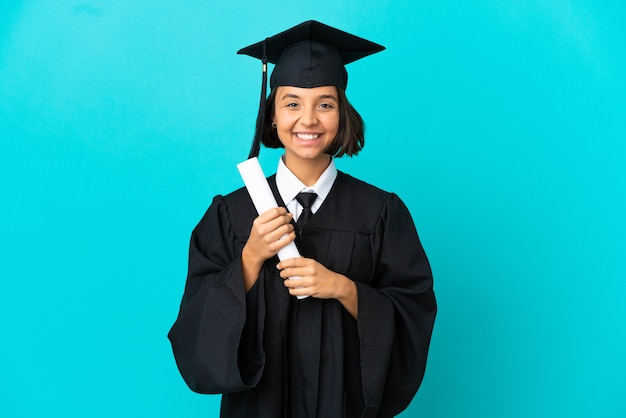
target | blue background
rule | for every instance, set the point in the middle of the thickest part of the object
(500, 124)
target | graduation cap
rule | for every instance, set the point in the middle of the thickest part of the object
(308, 55)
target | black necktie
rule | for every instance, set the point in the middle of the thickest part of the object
(306, 199)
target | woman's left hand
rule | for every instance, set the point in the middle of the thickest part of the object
(318, 281)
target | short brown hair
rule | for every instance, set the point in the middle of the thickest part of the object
(350, 137)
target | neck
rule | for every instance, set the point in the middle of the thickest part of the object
(308, 171)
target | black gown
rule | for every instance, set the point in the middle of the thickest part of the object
(274, 356)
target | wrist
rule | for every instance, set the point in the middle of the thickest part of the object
(346, 290)
(348, 296)
(250, 269)
(250, 259)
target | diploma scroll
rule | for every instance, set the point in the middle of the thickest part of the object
(263, 199)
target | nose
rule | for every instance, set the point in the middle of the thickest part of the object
(309, 117)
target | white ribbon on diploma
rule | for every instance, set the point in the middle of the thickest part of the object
(263, 199)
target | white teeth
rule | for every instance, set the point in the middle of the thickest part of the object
(307, 137)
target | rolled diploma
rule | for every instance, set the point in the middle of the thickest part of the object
(263, 199)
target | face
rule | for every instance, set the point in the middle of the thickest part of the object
(307, 122)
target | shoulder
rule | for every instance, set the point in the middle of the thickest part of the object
(359, 186)
(235, 198)
(231, 211)
(357, 206)
(363, 193)
(372, 199)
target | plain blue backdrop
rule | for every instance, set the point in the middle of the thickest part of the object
(500, 124)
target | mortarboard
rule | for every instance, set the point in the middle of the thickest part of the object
(308, 55)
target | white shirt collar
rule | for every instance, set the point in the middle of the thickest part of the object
(289, 185)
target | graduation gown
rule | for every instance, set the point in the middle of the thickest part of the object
(272, 355)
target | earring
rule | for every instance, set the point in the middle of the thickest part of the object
(274, 125)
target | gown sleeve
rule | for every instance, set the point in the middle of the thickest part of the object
(216, 338)
(396, 314)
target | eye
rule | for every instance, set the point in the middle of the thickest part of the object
(327, 106)
(292, 104)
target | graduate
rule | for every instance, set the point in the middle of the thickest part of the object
(357, 345)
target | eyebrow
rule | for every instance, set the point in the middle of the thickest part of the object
(295, 96)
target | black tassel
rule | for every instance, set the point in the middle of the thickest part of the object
(260, 120)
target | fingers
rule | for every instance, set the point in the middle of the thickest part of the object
(307, 277)
(271, 231)
(300, 285)
(280, 235)
(282, 239)
(296, 267)
(299, 291)
(275, 219)
(294, 262)
(273, 213)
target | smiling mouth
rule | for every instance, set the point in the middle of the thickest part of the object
(308, 137)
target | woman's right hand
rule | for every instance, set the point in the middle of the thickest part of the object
(271, 231)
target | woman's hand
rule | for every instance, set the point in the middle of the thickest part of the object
(318, 281)
(271, 231)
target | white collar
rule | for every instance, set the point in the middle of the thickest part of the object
(289, 185)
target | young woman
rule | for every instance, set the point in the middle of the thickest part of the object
(357, 345)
